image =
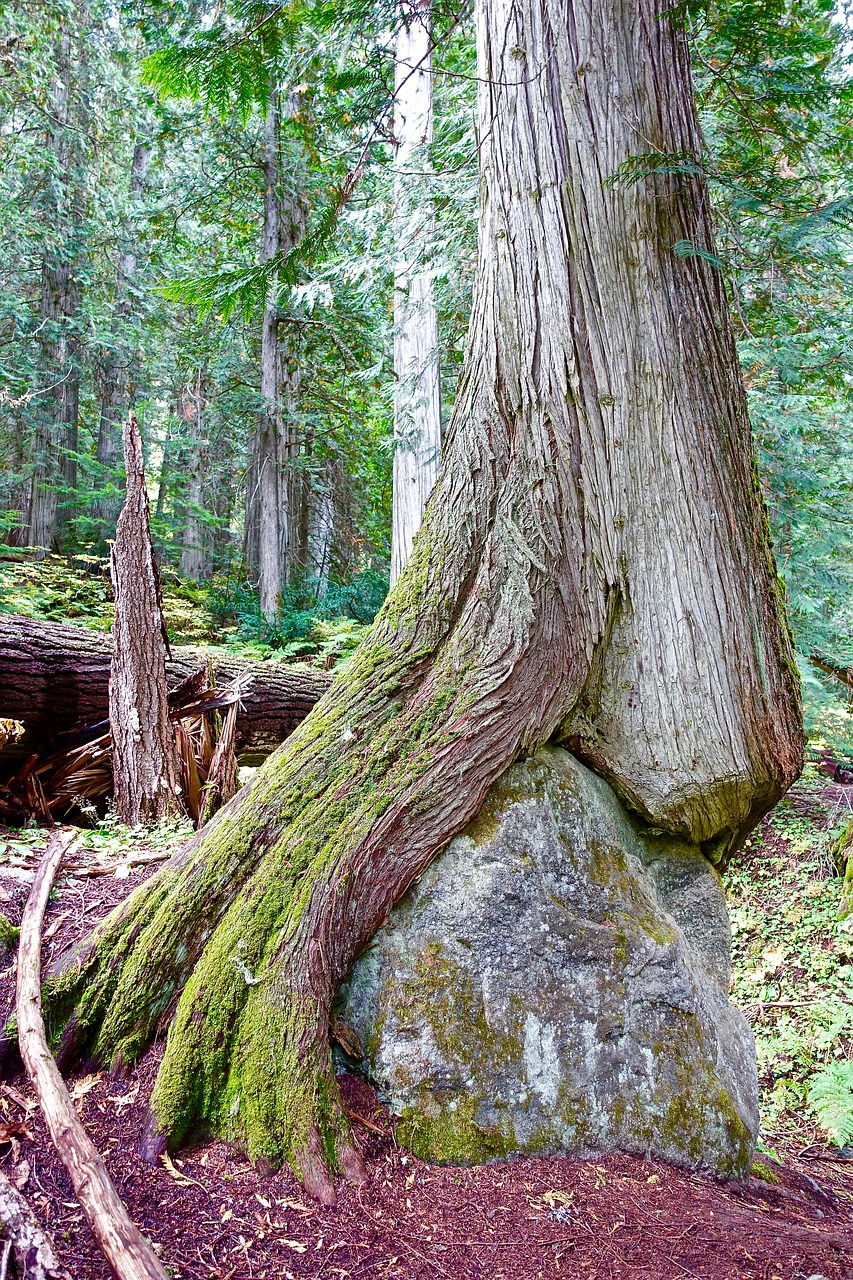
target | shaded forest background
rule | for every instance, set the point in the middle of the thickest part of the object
(131, 276)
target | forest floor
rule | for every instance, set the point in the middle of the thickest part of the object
(212, 1216)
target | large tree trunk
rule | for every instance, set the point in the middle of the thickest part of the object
(417, 403)
(116, 371)
(54, 678)
(594, 567)
(146, 771)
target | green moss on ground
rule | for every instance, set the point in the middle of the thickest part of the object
(9, 935)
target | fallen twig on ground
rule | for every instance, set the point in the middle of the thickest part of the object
(120, 1240)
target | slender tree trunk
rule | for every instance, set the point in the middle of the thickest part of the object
(219, 499)
(269, 465)
(594, 567)
(116, 372)
(322, 532)
(145, 762)
(55, 443)
(269, 512)
(417, 403)
(192, 556)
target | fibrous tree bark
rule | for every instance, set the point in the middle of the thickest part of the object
(417, 403)
(146, 772)
(594, 568)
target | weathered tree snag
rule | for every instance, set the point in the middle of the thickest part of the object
(221, 783)
(594, 567)
(54, 679)
(118, 1237)
(31, 1246)
(146, 771)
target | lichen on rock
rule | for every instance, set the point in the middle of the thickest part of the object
(556, 981)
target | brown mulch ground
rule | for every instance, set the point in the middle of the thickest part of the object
(212, 1216)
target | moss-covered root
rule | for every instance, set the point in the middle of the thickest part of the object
(269, 1088)
(9, 934)
(248, 1055)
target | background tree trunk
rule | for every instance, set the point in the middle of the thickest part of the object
(146, 771)
(192, 556)
(322, 531)
(55, 467)
(272, 511)
(594, 566)
(417, 403)
(274, 484)
(116, 371)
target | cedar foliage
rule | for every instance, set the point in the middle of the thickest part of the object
(775, 98)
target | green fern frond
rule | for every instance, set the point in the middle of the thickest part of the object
(238, 288)
(831, 1101)
(687, 249)
(651, 163)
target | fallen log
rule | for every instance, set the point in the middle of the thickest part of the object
(54, 679)
(120, 1240)
(832, 667)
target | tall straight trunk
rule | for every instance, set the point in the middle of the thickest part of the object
(270, 488)
(322, 531)
(146, 772)
(417, 404)
(192, 555)
(55, 444)
(272, 513)
(116, 371)
(220, 486)
(594, 567)
(297, 450)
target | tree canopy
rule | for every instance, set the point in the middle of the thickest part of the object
(190, 83)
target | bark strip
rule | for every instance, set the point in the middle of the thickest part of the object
(32, 1246)
(118, 1237)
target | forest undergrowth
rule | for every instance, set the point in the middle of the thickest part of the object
(793, 965)
(222, 614)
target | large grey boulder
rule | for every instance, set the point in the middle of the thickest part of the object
(556, 981)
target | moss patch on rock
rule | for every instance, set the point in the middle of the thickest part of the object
(557, 981)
